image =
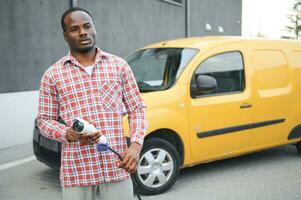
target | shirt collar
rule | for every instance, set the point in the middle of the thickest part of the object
(100, 55)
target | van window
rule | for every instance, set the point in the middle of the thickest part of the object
(157, 69)
(228, 71)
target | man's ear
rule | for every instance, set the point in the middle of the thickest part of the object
(65, 36)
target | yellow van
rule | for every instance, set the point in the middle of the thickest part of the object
(210, 98)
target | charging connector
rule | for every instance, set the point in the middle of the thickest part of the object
(81, 126)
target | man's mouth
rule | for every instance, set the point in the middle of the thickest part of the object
(85, 41)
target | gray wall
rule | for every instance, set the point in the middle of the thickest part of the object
(31, 38)
(123, 26)
(225, 13)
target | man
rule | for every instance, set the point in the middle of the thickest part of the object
(93, 85)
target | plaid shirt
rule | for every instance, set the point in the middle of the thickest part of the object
(68, 91)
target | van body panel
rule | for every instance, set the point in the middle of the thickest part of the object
(295, 63)
(275, 92)
(272, 94)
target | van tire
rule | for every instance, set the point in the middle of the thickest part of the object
(298, 147)
(150, 167)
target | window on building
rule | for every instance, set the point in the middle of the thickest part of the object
(176, 2)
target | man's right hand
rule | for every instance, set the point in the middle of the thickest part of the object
(84, 139)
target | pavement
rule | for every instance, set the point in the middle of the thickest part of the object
(16, 154)
(272, 174)
(23, 177)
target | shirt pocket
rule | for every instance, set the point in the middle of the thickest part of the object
(111, 95)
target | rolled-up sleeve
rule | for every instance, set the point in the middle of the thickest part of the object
(48, 111)
(134, 104)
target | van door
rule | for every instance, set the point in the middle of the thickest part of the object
(273, 97)
(219, 119)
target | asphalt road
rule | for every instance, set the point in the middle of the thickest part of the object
(268, 175)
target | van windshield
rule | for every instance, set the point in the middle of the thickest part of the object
(158, 68)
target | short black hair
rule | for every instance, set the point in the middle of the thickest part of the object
(71, 10)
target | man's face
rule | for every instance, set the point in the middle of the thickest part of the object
(79, 32)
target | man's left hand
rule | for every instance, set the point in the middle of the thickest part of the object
(131, 158)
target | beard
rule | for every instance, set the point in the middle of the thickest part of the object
(85, 49)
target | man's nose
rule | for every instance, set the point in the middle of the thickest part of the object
(83, 31)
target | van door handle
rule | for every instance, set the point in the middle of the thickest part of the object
(245, 105)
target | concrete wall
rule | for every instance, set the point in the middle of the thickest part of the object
(31, 40)
(123, 27)
(226, 14)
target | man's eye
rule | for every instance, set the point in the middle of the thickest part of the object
(72, 30)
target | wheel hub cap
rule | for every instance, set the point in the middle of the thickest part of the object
(155, 168)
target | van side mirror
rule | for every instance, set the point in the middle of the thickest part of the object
(203, 84)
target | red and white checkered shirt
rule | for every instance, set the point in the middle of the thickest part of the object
(68, 91)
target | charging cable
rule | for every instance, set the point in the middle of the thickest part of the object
(81, 126)
(105, 147)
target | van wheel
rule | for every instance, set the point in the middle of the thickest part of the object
(298, 146)
(158, 167)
